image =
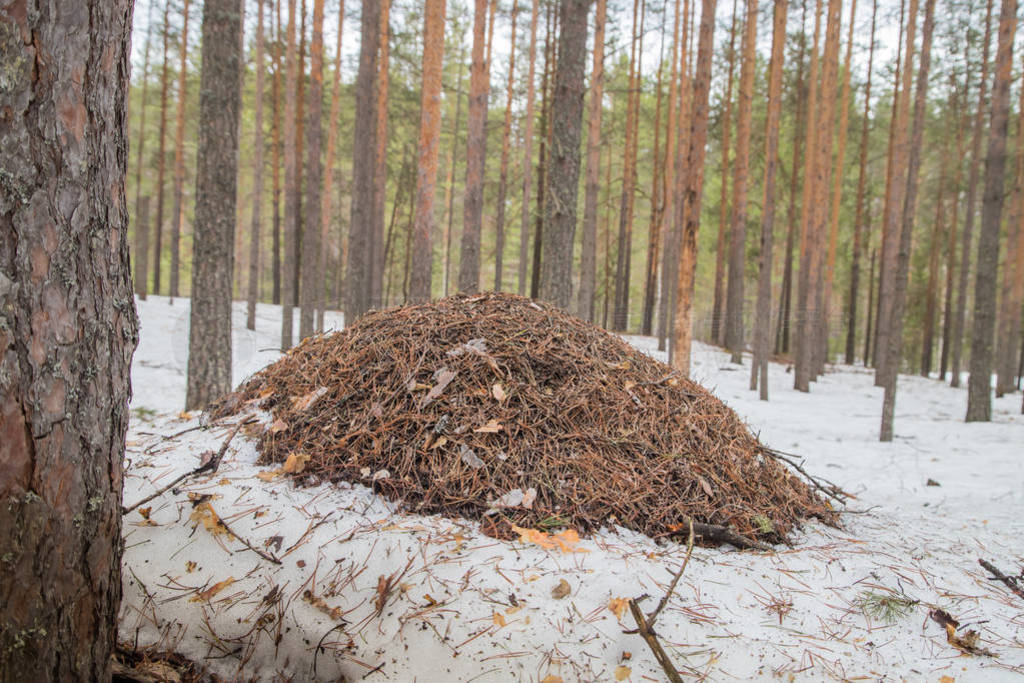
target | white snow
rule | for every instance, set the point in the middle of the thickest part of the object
(464, 606)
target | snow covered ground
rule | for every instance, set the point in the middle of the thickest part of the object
(364, 590)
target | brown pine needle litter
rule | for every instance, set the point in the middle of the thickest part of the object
(513, 412)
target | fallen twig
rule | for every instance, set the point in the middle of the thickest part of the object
(723, 534)
(820, 483)
(210, 466)
(653, 616)
(1011, 582)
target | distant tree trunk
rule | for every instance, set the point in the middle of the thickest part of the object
(762, 324)
(430, 139)
(808, 205)
(961, 123)
(871, 310)
(311, 290)
(299, 93)
(542, 160)
(450, 181)
(209, 341)
(654, 236)
(564, 165)
(380, 168)
(859, 216)
(364, 164)
(741, 171)
(257, 191)
(718, 302)
(894, 336)
(327, 210)
(802, 105)
(506, 132)
(1010, 298)
(979, 388)
(141, 227)
(291, 195)
(588, 255)
(524, 226)
(68, 335)
(620, 314)
(931, 290)
(162, 160)
(179, 159)
(476, 155)
(960, 313)
(683, 324)
(276, 142)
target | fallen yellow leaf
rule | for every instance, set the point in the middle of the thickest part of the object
(622, 673)
(212, 590)
(268, 475)
(551, 678)
(499, 619)
(295, 463)
(561, 590)
(618, 607)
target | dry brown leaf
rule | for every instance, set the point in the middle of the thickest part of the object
(947, 679)
(295, 463)
(561, 590)
(567, 540)
(492, 427)
(440, 442)
(204, 514)
(498, 618)
(444, 378)
(318, 602)
(278, 425)
(551, 678)
(145, 512)
(205, 595)
(706, 486)
(498, 392)
(622, 673)
(190, 566)
(618, 607)
(268, 475)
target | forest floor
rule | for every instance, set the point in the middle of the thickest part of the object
(324, 582)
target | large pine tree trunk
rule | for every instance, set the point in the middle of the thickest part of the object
(741, 172)
(682, 336)
(209, 341)
(67, 332)
(979, 388)
(312, 291)
(588, 255)
(894, 336)
(960, 313)
(257, 183)
(364, 164)
(476, 155)
(762, 323)
(179, 159)
(1009, 298)
(564, 164)
(430, 140)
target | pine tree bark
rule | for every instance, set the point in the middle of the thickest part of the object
(476, 155)
(158, 231)
(931, 290)
(299, 93)
(141, 227)
(312, 291)
(275, 134)
(327, 210)
(68, 329)
(654, 236)
(979, 387)
(257, 189)
(894, 336)
(564, 165)
(506, 133)
(449, 190)
(962, 125)
(595, 106)
(859, 215)
(762, 323)
(380, 170)
(364, 164)
(960, 314)
(718, 301)
(209, 340)
(734, 334)
(179, 160)
(430, 140)
(550, 59)
(525, 213)
(682, 336)
(291, 182)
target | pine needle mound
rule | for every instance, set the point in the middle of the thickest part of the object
(513, 412)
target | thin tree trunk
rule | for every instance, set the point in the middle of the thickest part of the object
(931, 293)
(209, 340)
(476, 156)
(588, 256)
(564, 165)
(524, 227)
(377, 259)
(179, 159)
(718, 302)
(291, 195)
(430, 139)
(506, 131)
(859, 216)
(654, 236)
(620, 314)
(141, 227)
(738, 230)
(327, 210)
(538, 228)
(762, 325)
(871, 309)
(450, 181)
(683, 324)
(979, 388)
(162, 160)
(962, 124)
(960, 314)
(257, 192)
(300, 148)
(311, 289)
(276, 174)
(894, 337)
